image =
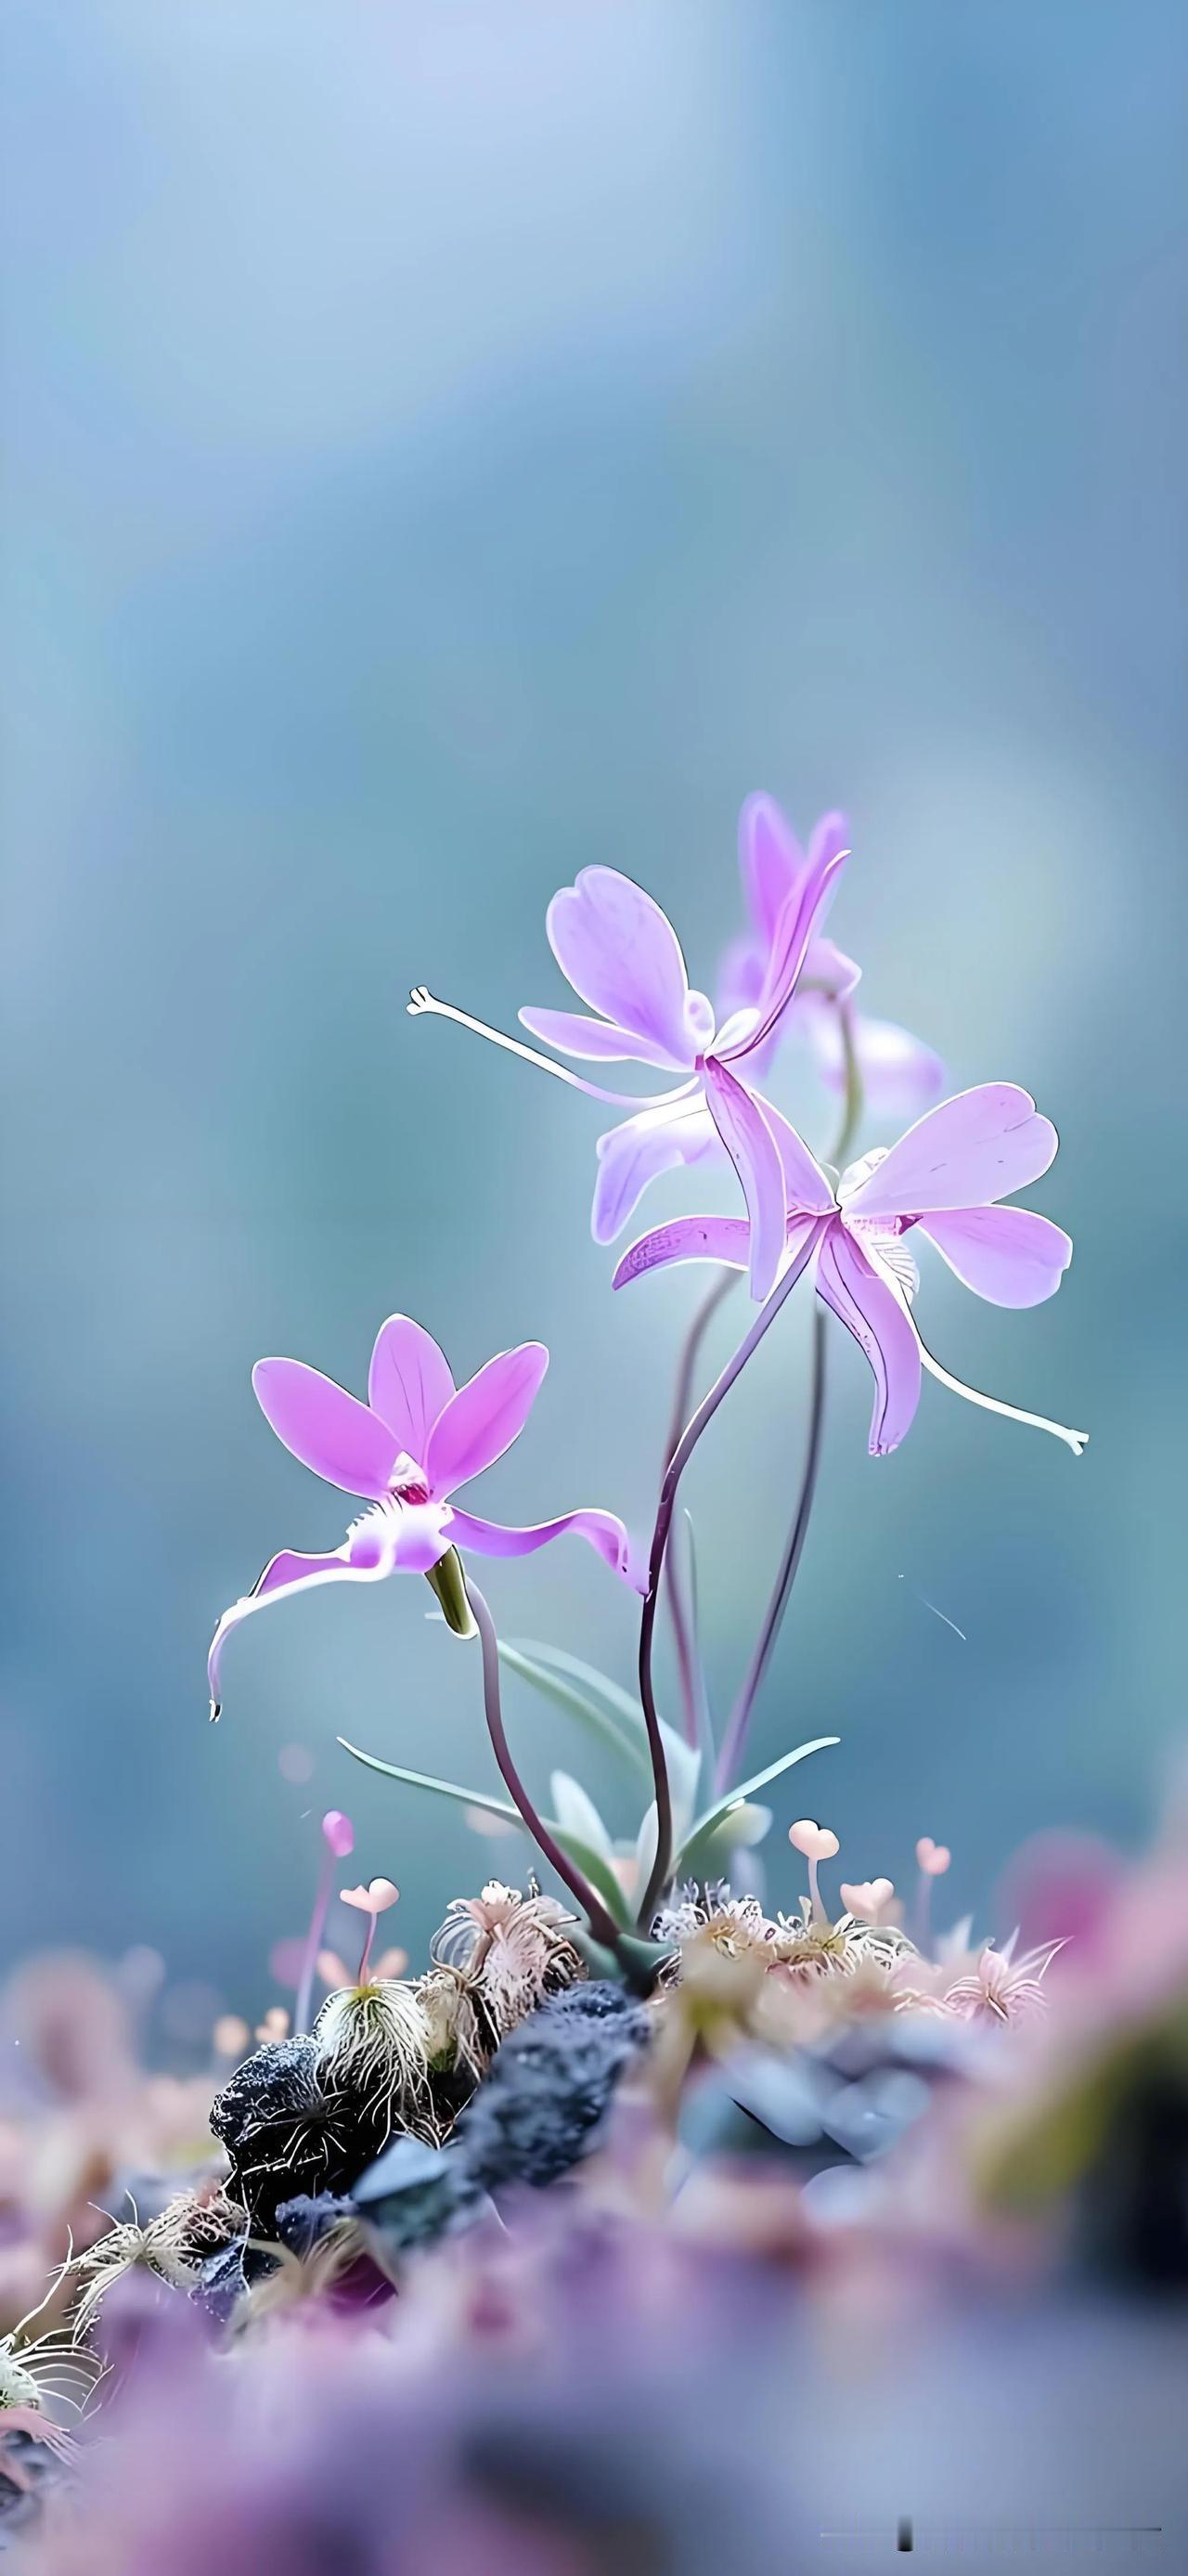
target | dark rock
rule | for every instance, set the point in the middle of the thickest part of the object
(415, 2193)
(224, 2278)
(287, 2135)
(302, 2222)
(549, 2087)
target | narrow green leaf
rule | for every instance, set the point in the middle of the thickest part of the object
(598, 1685)
(441, 1788)
(685, 1864)
(601, 1876)
(597, 1870)
(740, 1830)
(578, 1704)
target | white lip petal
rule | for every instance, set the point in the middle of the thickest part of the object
(422, 1003)
(1077, 1441)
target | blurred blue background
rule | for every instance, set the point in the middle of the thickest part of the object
(442, 447)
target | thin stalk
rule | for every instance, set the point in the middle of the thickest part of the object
(703, 1317)
(740, 1715)
(660, 1537)
(681, 1402)
(601, 1923)
(854, 1095)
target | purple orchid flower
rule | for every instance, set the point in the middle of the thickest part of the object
(405, 1452)
(900, 1076)
(945, 1177)
(622, 956)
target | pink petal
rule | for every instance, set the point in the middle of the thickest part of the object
(798, 923)
(325, 1427)
(1006, 1254)
(755, 1155)
(973, 1149)
(900, 1075)
(285, 1575)
(882, 1331)
(599, 1041)
(805, 1183)
(622, 956)
(632, 1154)
(604, 1531)
(829, 840)
(771, 862)
(484, 1418)
(740, 979)
(828, 965)
(689, 1238)
(409, 1382)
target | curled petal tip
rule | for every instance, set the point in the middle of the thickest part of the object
(216, 1711)
(633, 1566)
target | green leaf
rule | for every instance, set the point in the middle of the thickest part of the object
(740, 1830)
(579, 1704)
(577, 1812)
(683, 1764)
(599, 1685)
(686, 1862)
(595, 1868)
(441, 1788)
(633, 1963)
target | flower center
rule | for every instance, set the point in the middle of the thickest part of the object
(408, 1483)
(856, 1173)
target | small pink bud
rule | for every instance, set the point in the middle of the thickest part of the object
(338, 1833)
(867, 1899)
(934, 1858)
(815, 1841)
(375, 1898)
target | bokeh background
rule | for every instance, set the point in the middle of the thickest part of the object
(444, 446)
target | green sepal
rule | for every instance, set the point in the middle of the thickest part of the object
(633, 1963)
(448, 1581)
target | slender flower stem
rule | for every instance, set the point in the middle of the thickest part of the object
(602, 1925)
(703, 1316)
(313, 1943)
(660, 1537)
(718, 1290)
(365, 1956)
(740, 1715)
(852, 1109)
